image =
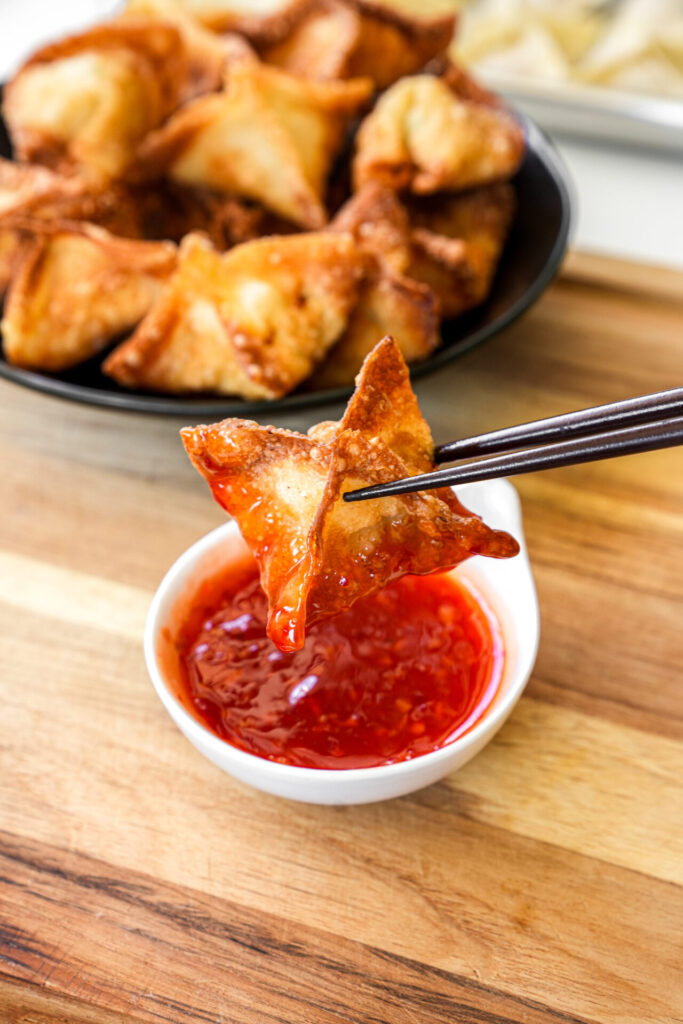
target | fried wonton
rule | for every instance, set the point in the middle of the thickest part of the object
(86, 102)
(34, 192)
(28, 191)
(172, 211)
(75, 288)
(390, 302)
(338, 39)
(320, 44)
(423, 137)
(252, 322)
(24, 187)
(317, 555)
(387, 302)
(259, 20)
(268, 136)
(204, 58)
(12, 247)
(379, 222)
(457, 241)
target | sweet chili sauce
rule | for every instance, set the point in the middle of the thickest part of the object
(400, 674)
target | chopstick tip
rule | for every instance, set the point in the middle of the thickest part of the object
(354, 495)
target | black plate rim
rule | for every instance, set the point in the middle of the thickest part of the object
(162, 405)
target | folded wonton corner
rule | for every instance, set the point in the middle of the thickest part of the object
(342, 39)
(316, 554)
(270, 22)
(25, 187)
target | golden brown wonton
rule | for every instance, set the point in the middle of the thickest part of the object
(390, 302)
(457, 241)
(387, 302)
(422, 136)
(317, 555)
(379, 222)
(75, 288)
(263, 20)
(342, 39)
(319, 44)
(27, 190)
(204, 58)
(87, 101)
(268, 136)
(24, 187)
(12, 247)
(253, 322)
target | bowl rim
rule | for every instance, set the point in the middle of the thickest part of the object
(190, 558)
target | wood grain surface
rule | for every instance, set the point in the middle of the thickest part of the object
(541, 884)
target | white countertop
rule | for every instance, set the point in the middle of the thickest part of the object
(629, 201)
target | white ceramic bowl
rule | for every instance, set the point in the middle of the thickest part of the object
(507, 587)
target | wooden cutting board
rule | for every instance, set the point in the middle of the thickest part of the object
(540, 884)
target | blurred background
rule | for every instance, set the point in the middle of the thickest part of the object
(603, 77)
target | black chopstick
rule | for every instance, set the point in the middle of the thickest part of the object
(607, 445)
(646, 409)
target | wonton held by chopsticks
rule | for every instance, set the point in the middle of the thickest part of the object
(317, 555)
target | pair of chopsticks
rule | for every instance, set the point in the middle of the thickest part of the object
(603, 432)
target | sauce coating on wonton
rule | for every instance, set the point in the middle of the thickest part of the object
(317, 555)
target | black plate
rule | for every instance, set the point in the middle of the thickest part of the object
(532, 255)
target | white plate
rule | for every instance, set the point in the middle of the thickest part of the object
(596, 112)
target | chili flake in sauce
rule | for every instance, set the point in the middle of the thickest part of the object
(399, 674)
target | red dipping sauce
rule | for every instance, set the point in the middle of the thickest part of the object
(400, 674)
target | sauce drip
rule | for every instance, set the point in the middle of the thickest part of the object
(398, 675)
